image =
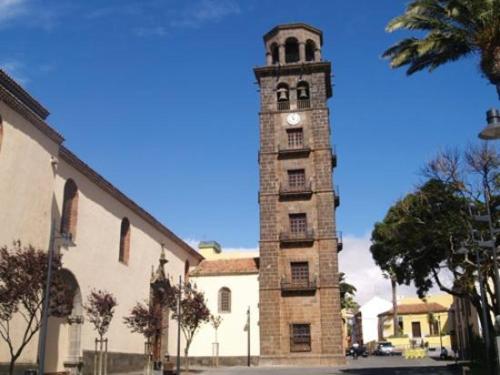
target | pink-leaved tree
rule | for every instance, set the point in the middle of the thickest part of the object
(23, 275)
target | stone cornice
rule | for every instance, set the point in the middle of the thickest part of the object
(289, 26)
(297, 68)
(105, 185)
(16, 104)
(9, 84)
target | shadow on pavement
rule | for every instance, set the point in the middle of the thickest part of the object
(450, 369)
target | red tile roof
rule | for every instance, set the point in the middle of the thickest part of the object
(237, 266)
(417, 308)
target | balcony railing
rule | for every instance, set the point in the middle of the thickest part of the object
(295, 191)
(336, 196)
(285, 151)
(334, 157)
(284, 105)
(340, 244)
(303, 103)
(298, 285)
(290, 237)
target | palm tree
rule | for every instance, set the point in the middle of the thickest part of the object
(453, 29)
(347, 292)
(395, 321)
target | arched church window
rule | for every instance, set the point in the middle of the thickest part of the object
(69, 215)
(291, 50)
(124, 241)
(224, 300)
(310, 50)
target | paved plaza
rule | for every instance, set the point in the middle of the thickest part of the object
(362, 366)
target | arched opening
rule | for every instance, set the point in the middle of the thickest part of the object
(303, 98)
(186, 270)
(64, 352)
(124, 241)
(283, 96)
(69, 215)
(310, 50)
(275, 53)
(224, 300)
(292, 50)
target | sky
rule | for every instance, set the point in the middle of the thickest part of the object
(159, 96)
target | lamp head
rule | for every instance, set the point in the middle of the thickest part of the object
(492, 129)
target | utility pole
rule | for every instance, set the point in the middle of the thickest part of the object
(248, 336)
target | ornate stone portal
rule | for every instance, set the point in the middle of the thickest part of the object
(159, 294)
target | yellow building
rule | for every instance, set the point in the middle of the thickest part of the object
(421, 323)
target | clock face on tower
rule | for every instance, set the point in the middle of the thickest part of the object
(293, 118)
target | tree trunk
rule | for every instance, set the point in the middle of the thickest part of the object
(11, 366)
(394, 307)
(186, 356)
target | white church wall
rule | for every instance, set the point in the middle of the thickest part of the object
(232, 337)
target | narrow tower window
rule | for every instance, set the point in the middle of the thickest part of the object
(124, 241)
(186, 270)
(69, 215)
(275, 53)
(224, 300)
(310, 50)
(291, 50)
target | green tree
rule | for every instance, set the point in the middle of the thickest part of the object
(347, 292)
(421, 234)
(453, 30)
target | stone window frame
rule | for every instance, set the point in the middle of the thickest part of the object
(301, 271)
(298, 222)
(296, 178)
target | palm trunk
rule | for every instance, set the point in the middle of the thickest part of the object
(394, 307)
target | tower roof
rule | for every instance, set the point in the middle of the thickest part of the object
(288, 26)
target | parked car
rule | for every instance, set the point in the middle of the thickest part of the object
(360, 351)
(384, 348)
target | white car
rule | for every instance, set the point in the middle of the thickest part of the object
(384, 348)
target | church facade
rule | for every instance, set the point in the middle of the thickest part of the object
(45, 191)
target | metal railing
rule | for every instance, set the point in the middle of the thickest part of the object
(283, 105)
(303, 103)
(302, 236)
(298, 285)
(340, 244)
(287, 189)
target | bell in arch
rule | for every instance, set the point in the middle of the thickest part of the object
(303, 94)
(282, 94)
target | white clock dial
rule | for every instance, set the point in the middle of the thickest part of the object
(293, 118)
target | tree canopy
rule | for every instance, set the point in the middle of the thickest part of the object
(453, 29)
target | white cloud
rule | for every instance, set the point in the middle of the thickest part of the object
(356, 261)
(15, 70)
(206, 11)
(11, 9)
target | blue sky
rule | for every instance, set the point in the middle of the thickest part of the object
(159, 96)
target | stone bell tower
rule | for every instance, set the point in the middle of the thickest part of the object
(300, 321)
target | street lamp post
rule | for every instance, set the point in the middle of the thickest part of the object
(178, 362)
(42, 338)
